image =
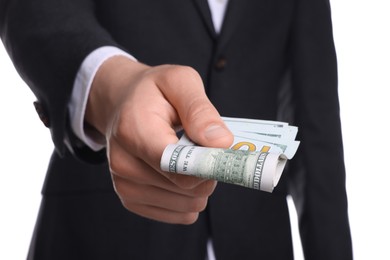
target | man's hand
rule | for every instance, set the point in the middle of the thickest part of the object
(137, 108)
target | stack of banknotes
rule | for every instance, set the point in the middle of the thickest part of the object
(255, 160)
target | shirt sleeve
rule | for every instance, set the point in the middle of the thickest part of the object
(81, 88)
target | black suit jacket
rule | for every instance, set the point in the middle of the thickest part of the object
(267, 53)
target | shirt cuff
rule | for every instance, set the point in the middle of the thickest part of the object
(81, 88)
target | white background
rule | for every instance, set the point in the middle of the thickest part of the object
(362, 36)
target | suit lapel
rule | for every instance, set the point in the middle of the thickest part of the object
(234, 12)
(204, 10)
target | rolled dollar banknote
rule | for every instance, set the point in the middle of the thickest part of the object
(259, 170)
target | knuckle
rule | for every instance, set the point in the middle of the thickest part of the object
(186, 182)
(127, 205)
(121, 130)
(188, 219)
(205, 189)
(120, 188)
(127, 128)
(187, 72)
(117, 166)
(178, 75)
(197, 205)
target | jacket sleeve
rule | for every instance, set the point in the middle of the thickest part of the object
(318, 186)
(47, 41)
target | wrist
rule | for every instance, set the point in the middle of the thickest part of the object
(110, 85)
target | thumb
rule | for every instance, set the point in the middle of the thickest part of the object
(183, 87)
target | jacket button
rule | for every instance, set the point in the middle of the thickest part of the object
(42, 114)
(220, 64)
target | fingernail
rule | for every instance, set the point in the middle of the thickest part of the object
(215, 132)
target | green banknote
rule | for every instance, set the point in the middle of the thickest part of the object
(256, 158)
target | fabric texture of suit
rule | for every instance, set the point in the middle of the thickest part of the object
(263, 48)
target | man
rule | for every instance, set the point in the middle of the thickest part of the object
(116, 203)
